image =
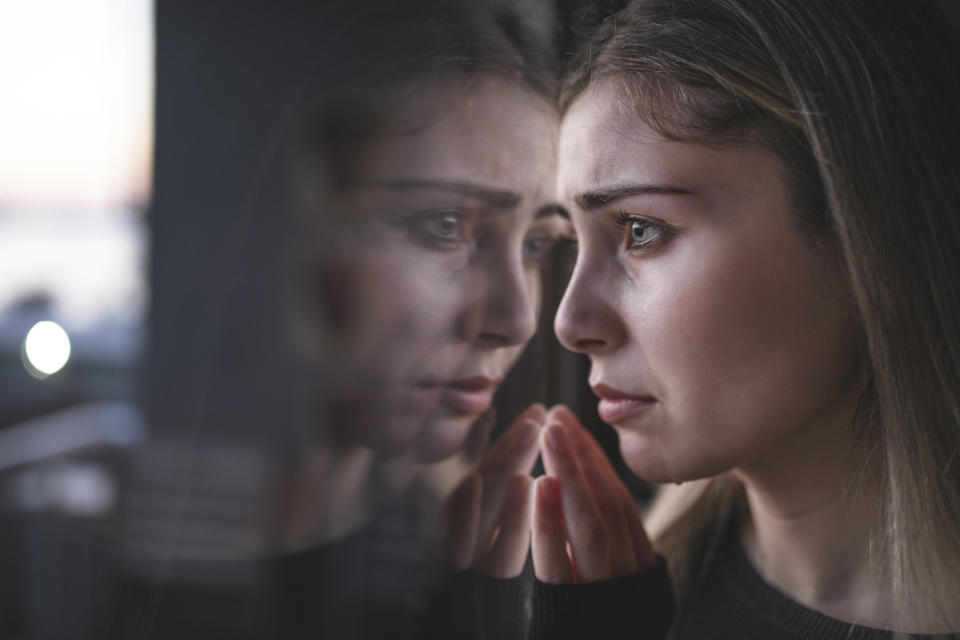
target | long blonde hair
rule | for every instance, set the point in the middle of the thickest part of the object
(860, 100)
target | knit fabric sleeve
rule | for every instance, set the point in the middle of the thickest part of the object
(638, 606)
(469, 606)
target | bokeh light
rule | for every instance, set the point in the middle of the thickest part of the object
(46, 349)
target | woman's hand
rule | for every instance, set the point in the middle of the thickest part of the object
(488, 514)
(586, 525)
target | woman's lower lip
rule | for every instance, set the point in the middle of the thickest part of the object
(614, 410)
(473, 401)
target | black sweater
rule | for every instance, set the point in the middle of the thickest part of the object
(732, 602)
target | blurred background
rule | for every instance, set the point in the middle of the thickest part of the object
(76, 123)
(76, 155)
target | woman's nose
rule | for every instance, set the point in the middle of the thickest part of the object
(586, 321)
(504, 309)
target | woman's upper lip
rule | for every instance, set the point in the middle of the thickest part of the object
(470, 383)
(474, 383)
(607, 392)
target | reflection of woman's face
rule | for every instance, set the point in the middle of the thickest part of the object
(718, 332)
(439, 263)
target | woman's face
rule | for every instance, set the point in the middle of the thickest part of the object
(436, 278)
(718, 332)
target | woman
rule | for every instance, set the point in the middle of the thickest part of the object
(424, 136)
(427, 178)
(764, 196)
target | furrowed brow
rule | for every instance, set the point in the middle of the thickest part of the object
(496, 198)
(596, 199)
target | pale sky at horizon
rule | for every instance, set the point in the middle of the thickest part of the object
(76, 115)
(76, 144)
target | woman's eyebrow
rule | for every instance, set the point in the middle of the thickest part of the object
(592, 200)
(497, 198)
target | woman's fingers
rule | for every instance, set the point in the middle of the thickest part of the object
(585, 528)
(508, 551)
(516, 448)
(628, 549)
(621, 559)
(612, 499)
(478, 438)
(515, 452)
(551, 562)
(462, 514)
(643, 551)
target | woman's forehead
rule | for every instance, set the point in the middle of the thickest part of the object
(493, 133)
(604, 148)
(601, 142)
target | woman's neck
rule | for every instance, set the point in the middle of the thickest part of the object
(328, 496)
(811, 522)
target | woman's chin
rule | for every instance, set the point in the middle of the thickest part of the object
(397, 438)
(649, 459)
(658, 463)
(643, 458)
(442, 436)
(428, 438)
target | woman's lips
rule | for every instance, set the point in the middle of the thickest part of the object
(616, 406)
(472, 395)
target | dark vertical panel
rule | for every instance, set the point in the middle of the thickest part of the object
(228, 74)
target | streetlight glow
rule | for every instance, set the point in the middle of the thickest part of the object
(46, 349)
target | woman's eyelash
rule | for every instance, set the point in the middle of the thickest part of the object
(642, 233)
(436, 229)
(444, 225)
(623, 219)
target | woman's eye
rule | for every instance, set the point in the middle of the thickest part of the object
(640, 232)
(536, 246)
(445, 229)
(643, 232)
(444, 226)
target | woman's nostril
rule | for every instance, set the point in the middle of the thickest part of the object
(589, 345)
(494, 339)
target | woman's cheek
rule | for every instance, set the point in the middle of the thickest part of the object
(707, 329)
(412, 302)
(749, 342)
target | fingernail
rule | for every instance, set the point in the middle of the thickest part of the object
(527, 434)
(550, 491)
(556, 438)
(536, 412)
